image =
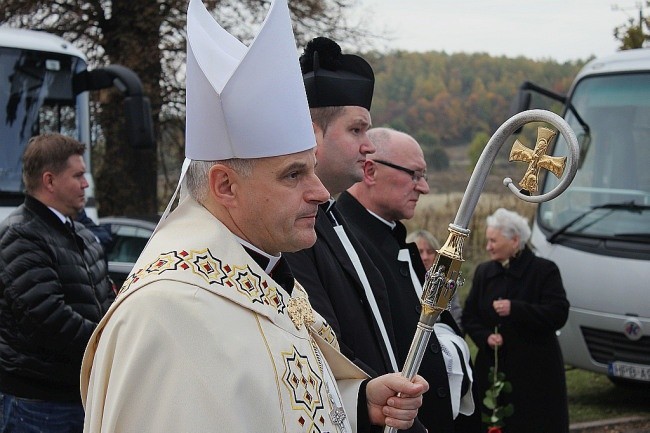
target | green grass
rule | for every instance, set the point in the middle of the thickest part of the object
(593, 396)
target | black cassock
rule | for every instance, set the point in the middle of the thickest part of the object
(383, 246)
(336, 292)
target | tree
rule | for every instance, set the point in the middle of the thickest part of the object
(476, 147)
(630, 35)
(436, 157)
(633, 35)
(148, 37)
(434, 154)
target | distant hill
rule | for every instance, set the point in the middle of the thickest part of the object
(444, 100)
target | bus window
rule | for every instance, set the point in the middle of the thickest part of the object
(35, 97)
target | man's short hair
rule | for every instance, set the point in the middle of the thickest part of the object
(47, 152)
(324, 116)
(196, 178)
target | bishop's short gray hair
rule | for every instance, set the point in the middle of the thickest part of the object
(511, 224)
(196, 178)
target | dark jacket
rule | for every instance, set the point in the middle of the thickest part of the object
(54, 289)
(530, 356)
(383, 246)
(335, 291)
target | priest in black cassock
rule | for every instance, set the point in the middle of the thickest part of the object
(343, 283)
(394, 178)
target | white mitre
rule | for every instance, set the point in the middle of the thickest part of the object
(244, 102)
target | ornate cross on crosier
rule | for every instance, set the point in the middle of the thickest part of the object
(537, 159)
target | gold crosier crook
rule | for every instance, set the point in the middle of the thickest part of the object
(443, 278)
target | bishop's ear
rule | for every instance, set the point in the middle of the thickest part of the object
(222, 184)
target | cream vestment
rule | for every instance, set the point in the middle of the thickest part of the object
(201, 340)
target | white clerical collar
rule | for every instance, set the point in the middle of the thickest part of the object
(330, 203)
(64, 219)
(390, 224)
(273, 260)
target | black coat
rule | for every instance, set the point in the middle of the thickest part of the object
(530, 356)
(335, 291)
(383, 246)
(54, 289)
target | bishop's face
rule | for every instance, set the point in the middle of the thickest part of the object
(279, 202)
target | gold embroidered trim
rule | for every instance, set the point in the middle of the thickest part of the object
(212, 270)
(305, 384)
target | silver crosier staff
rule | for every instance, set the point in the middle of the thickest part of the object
(443, 278)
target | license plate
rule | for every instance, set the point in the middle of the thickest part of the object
(630, 371)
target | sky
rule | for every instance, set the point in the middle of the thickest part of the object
(562, 30)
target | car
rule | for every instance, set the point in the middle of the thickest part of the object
(130, 236)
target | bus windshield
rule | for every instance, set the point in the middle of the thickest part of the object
(36, 96)
(610, 196)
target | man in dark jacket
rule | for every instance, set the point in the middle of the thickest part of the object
(54, 289)
(393, 180)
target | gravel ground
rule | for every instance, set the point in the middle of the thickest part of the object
(620, 425)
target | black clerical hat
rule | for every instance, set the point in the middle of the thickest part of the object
(335, 79)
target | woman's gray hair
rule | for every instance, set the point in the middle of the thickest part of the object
(196, 178)
(510, 224)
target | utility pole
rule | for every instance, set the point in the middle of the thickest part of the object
(640, 4)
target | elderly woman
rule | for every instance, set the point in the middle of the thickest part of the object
(515, 306)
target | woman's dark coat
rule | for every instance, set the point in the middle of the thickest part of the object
(530, 356)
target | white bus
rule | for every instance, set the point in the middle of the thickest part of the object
(44, 84)
(598, 230)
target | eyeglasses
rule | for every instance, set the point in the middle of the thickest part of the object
(416, 175)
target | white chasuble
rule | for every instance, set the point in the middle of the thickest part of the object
(200, 339)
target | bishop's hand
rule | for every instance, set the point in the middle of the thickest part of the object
(394, 401)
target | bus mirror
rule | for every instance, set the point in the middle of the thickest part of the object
(137, 108)
(139, 127)
(521, 103)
